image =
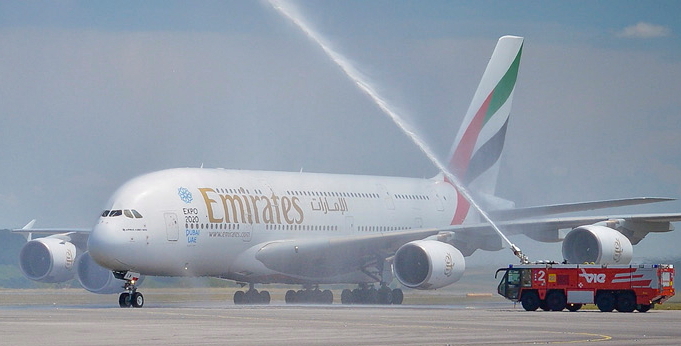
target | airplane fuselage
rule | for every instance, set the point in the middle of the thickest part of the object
(209, 222)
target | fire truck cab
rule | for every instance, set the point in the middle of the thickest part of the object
(554, 287)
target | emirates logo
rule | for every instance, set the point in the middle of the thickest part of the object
(449, 265)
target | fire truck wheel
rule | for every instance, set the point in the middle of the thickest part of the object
(626, 301)
(530, 301)
(644, 307)
(555, 300)
(574, 307)
(605, 301)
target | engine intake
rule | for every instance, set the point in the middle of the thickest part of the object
(48, 260)
(597, 244)
(96, 278)
(428, 264)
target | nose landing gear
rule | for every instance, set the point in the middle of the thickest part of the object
(129, 298)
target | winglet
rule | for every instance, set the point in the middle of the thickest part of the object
(29, 225)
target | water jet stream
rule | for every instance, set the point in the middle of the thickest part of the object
(288, 11)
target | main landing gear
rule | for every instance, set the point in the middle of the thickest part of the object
(368, 294)
(309, 295)
(129, 298)
(252, 296)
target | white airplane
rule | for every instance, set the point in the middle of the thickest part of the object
(256, 227)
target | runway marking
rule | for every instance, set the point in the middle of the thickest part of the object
(393, 325)
(601, 337)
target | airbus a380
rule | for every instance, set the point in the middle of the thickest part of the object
(256, 227)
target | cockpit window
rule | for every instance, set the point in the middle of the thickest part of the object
(129, 213)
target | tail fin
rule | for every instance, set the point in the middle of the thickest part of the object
(474, 157)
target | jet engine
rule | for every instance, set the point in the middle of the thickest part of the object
(428, 264)
(53, 260)
(48, 260)
(597, 244)
(96, 278)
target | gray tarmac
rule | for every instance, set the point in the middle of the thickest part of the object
(210, 322)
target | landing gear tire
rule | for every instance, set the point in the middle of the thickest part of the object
(290, 297)
(239, 298)
(398, 296)
(251, 297)
(265, 297)
(370, 295)
(327, 297)
(137, 300)
(309, 296)
(124, 300)
(385, 295)
(347, 297)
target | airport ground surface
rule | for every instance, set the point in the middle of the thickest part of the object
(204, 316)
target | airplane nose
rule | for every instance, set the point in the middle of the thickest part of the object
(106, 245)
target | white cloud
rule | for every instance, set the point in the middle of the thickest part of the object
(644, 30)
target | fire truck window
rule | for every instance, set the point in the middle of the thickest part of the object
(513, 277)
(526, 280)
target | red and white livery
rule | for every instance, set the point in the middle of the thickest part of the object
(554, 287)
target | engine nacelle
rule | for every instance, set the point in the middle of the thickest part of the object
(428, 264)
(96, 278)
(597, 244)
(48, 260)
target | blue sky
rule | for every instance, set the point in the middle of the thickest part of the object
(95, 93)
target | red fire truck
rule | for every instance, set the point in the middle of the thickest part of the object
(554, 287)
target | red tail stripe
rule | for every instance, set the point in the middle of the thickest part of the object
(462, 157)
(464, 151)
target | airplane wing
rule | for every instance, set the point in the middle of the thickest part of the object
(76, 235)
(516, 213)
(323, 257)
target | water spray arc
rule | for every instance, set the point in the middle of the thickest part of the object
(365, 86)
